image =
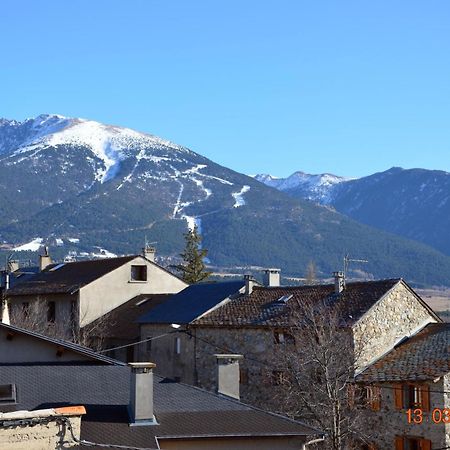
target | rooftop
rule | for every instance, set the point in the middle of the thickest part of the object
(67, 277)
(273, 306)
(181, 410)
(192, 302)
(424, 356)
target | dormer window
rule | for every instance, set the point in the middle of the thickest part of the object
(138, 273)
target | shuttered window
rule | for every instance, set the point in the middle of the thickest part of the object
(407, 443)
(412, 396)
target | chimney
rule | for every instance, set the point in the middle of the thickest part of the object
(228, 375)
(44, 260)
(149, 252)
(249, 283)
(141, 394)
(12, 265)
(339, 282)
(271, 277)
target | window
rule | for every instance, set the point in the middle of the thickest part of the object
(138, 273)
(51, 311)
(412, 395)
(282, 336)
(7, 393)
(279, 377)
(177, 346)
(412, 443)
(243, 375)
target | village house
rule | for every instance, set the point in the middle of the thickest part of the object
(60, 388)
(413, 382)
(256, 324)
(63, 298)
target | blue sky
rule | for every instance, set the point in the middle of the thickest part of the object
(347, 87)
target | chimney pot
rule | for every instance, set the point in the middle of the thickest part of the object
(339, 282)
(149, 252)
(12, 265)
(44, 260)
(249, 283)
(271, 277)
(228, 375)
(141, 393)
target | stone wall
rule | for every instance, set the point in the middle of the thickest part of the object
(399, 313)
(386, 424)
(53, 435)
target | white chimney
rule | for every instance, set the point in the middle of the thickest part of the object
(339, 282)
(271, 277)
(228, 375)
(44, 260)
(141, 394)
(249, 283)
(149, 252)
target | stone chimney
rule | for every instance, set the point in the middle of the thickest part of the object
(339, 282)
(249, 283)
(228, 375)
(44, 260)
(141, 394)
(12, 265)
(149, 252)
(271, 277)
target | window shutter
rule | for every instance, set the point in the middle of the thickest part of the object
(425, 444)
(372, 447)
(375, 398)
(399, 443)
(351, 388)
(398, 396)
(425, 397)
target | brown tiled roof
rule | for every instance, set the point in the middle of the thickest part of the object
(122, 321)
(424, 356)
(263, 308)
(68, 277)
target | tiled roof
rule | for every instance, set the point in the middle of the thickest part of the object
(68, 277)
(181, 410)
(424, 356)
(60, 343)
(192, 302)
(123, 320)
(263, 308)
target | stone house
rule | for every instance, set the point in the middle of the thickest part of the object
(63, 298)
(174, 352)
(122, 405)
(413, 381)
(255, 323)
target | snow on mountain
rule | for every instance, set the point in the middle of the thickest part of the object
(318, 188)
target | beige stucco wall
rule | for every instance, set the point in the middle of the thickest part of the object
(388, 423)
(23, 349)
(115, 288)
(269, 443)
(398, 314)
(51, 436)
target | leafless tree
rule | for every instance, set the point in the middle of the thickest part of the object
(318, 365)
(35, 316)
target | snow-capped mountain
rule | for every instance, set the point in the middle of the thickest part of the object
(318, 188)
(95, 189)
(414, 203)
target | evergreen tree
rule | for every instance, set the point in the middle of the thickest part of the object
(193, 268)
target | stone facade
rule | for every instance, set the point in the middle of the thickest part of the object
(398, 314)
(389, 423)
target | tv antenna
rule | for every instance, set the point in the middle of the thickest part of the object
(348, 260)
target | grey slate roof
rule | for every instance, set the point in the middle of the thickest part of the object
(191, 302)
(97, 357)
(181, 410)
(68, 277)
(424, 356)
